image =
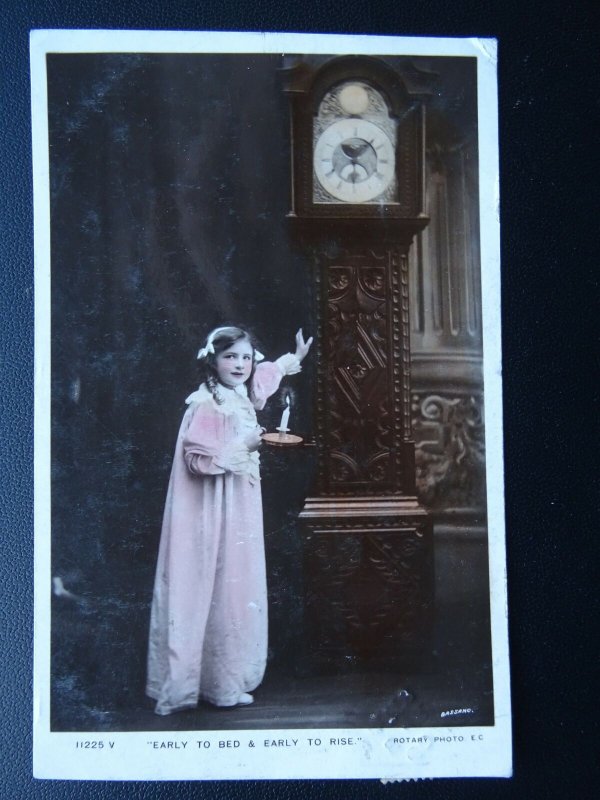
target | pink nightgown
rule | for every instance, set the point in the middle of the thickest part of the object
(208, 626)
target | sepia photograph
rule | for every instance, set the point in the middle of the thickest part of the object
(269, 492)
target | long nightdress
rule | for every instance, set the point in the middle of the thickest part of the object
(208, 626)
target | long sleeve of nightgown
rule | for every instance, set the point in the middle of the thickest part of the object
(268, 375)
(209, 447)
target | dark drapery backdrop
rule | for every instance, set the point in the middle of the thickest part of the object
(170, 186)
(169, 189)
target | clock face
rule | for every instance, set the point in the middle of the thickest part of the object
(354, 160)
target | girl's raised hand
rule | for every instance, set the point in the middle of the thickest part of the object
(302, 347)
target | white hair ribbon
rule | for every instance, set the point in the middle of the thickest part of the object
(204, 351)
(210, 348)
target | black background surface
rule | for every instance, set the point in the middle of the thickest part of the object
(548, 83)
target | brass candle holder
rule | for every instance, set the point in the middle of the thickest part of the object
(282, 438)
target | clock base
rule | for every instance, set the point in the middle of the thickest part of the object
(368, 574)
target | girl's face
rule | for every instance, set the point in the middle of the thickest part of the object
(234, 365)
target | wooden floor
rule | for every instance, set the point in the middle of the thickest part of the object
(455, 678)
(348, 701)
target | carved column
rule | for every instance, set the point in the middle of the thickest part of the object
(447, 382)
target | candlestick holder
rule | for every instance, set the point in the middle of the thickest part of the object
(282, 438)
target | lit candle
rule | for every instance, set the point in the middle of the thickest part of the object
(285, 417)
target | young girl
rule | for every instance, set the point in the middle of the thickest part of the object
(208, 627)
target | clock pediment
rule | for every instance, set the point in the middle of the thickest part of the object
(357, 139)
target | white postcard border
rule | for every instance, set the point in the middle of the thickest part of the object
(389, 754)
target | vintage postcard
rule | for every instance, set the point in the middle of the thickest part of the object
(269, 509)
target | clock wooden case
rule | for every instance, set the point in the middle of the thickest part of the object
(357, 195)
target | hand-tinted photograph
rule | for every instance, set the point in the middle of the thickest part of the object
(268, 452)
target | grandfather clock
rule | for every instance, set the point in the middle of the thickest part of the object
(357, 141)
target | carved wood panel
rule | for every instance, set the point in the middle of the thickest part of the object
(369, 588)
(363, 419)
